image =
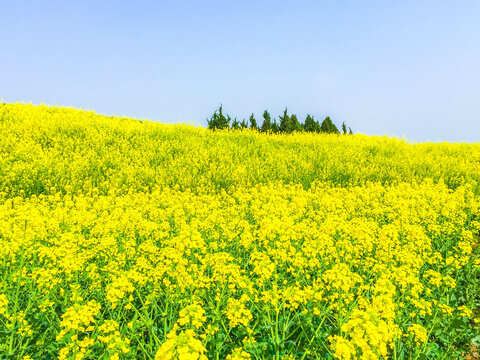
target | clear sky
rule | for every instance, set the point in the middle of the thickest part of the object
(402, 68)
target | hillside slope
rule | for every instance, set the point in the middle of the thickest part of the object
(46, 147)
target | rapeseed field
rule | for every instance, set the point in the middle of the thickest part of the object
(128, 239)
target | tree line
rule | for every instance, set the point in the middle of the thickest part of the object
(286, 124)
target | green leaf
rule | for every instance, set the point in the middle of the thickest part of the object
(476, 340)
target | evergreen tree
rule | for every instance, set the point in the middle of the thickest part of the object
(213, 121)
(218, 120)
(309, 123)
(224, 121)
(325, 127)
(275, 126)
(329, 127)
(294, 124)
(229, 119)
(318, 128)
(267, 121)
(287, 123)
(284, 121)
(235, 124)
(253, 122)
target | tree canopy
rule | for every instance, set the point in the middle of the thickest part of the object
(288, 123)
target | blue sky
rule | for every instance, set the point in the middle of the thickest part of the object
(405, 68)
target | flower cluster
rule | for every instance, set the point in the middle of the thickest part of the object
(111, 337)
(77, 322)
(418, 332)
(181, 346)
(193, 315)
(237, 313)
(3, 304)
(238, 354)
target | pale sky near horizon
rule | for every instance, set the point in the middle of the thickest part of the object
(406, 68)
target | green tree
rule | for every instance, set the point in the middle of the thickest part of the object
(267, 122)
(294, 124)
(309, 123)
(284, 121)
(235, 124)
(329, 127)
(275, 126)
(253, 122)
(218, 120)
(213, 121)
(287, 123)
(229, 120)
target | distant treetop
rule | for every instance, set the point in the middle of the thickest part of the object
(287, 123)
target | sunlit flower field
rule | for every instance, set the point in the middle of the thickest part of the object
(128, 239)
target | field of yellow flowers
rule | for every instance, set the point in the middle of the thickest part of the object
(128, 239)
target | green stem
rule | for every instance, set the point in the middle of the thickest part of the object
(314, 336)
(17, 295)
(277, 340)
